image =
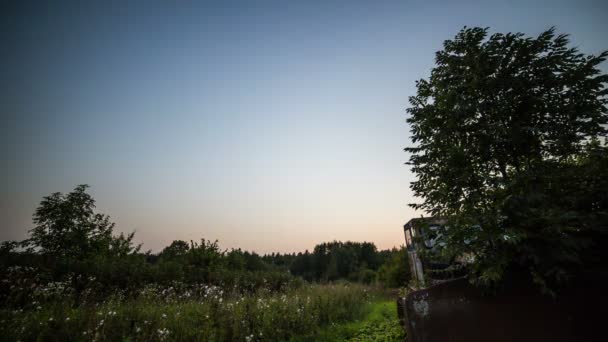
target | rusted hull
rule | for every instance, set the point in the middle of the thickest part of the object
(457, 311)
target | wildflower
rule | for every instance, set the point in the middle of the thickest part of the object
(162, 333)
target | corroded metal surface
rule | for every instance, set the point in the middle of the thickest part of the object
(457, 311)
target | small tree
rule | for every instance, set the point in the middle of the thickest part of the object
(67, 228)
(74, 237)
(503, 132)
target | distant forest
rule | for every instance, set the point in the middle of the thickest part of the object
(330, 261)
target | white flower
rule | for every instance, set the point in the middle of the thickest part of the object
(162, 333)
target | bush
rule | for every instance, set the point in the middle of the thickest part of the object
(395, 272)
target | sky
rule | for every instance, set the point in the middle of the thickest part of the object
(267, 125)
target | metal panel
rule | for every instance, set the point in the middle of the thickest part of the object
(457, 311)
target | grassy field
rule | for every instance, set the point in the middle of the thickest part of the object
(297, 311)
(380, 323)
(334, 312)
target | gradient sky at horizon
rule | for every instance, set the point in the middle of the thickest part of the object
(267, 125)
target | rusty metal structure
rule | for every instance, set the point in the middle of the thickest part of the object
(457, 311)
(422, 238)
(443, 306)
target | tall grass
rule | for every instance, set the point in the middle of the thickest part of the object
(203, 313)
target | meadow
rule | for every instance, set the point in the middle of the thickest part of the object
(75, 280)
(301, 312)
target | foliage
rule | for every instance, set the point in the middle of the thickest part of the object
(203, 313)
(78, 281)
(338, 260)
(380, 324)
(70, 240)
(75, 242)
(395, 272)
(507, 134)
(67, 228)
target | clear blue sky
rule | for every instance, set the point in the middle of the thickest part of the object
(268, 125)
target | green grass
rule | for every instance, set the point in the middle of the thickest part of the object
(338, 312)
(380, 323)
(162, 315)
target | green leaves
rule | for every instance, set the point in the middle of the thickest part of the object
(502, 127)
(67, 228)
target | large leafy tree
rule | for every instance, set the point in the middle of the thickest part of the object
(507, 135)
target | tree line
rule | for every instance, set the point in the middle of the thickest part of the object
(72, 242)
